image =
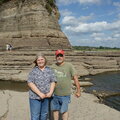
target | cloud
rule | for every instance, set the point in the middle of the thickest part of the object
(89, 1)
(117, 4)
(119, 15)
(94, 29)
(67, 2)
(101, 33)
(97, 35)
(116, 35)
(79, 25)
(114, 25)
(85, 8)
(66, 12)
(86, 18)
(107, 41)
(88, 27)
(71, 20)
(104, 37)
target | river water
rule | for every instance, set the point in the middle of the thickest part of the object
(15, 86)
(107, 83)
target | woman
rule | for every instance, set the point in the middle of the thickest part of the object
(41, 81)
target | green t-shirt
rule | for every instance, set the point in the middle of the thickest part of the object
(64, 74)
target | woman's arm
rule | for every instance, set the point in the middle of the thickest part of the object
(36, 90)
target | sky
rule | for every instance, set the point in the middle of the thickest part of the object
(91, 22)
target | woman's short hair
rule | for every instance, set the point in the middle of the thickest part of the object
(39, 55)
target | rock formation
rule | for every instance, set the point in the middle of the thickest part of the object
(15, 65)
(27, 24)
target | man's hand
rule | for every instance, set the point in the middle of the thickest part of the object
(77, 94)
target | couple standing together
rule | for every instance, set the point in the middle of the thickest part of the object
(51, 84)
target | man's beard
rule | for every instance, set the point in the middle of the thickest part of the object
(59, 61)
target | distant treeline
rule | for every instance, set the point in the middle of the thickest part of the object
(94, 48)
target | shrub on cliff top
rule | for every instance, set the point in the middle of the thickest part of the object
(50, 5)
(1, 1)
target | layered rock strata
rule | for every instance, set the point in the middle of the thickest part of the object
(15, 65)
(27, 24)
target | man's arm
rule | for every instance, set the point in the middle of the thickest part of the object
(76, 82)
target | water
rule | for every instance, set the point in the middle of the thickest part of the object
(15, 86)
(107, 83)
(113, 101)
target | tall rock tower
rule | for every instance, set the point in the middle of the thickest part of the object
(31, 24)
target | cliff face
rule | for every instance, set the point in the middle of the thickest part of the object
(28, 24)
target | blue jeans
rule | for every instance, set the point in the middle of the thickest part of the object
(39, 109)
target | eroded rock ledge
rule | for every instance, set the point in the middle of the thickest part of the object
(15, 65)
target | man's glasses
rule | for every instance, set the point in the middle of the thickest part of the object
(59, 55)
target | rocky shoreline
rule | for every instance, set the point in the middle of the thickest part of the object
(15, 106)
(15, 66)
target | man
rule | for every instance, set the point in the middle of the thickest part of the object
(65, 72)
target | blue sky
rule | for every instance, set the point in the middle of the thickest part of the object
(91, 22)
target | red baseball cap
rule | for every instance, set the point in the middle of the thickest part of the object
(59, 52)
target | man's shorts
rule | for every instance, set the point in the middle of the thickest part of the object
(60, 103)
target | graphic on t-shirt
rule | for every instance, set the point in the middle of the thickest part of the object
(60, 74)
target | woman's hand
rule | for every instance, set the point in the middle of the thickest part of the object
(48, 95)
(42, 95)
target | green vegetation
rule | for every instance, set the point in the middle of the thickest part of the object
(100, 48)
(51, 5)
(49, 8)
(1, 1)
